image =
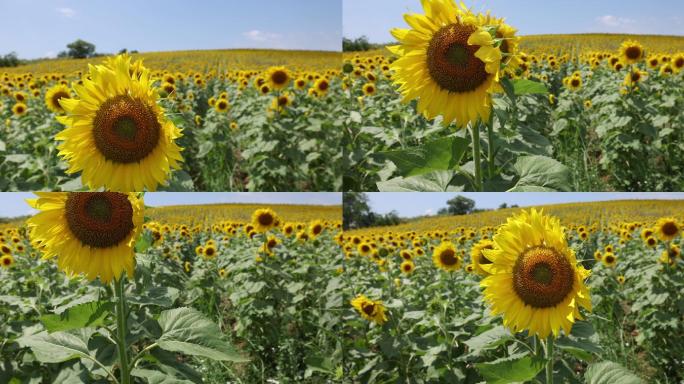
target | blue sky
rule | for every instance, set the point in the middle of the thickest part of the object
(417, 204)
(13, 204)
(374, 18)
(41, 28)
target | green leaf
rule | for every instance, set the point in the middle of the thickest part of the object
(528, 87)
(90, 314)
(58, 347)
(504, 371)
(607, 372)
(160, 296)
(541, 174)
(205, 148)
(488, 339)
(156, 377)
(186, 330)
(319, 364)
(432, 182)
(438, 155)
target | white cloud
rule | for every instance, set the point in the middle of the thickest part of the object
(614, 21)
(261, 36)
(429, 212)
(50, 54)
(66, 12)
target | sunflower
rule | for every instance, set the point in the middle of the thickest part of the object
(20, 97)
(678, 63)
(221, 105)
(288, 229)
(19, 109)
(621, 279)
(369, 89)
(445, 257)
(316, 228)
(209, 251)
(364, 249)
(116, 133)
(448, 61)
(278, 77)
(609, 260)
(370, 310)
(54, 94)
(651, 242)
(90, 233)
(302, 236)
(264, 219)
(587, 105)
(5, 250)
(222, 273)
(281, 102)
(573, 83)
(667, 228)
(536, 282)
(321, 86)
(6, 261)
(631, 52)
(633, 78)
(407, 267)
(478, 258)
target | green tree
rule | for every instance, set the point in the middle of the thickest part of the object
(460, 205)
(80, 49)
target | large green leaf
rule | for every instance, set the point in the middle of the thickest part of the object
(156, 377)
(438, 155)
(607, 372)
(541, 174)
(488, 339)
(59, 346)
(528, 87)
(161, 296)
(188, 331)
(90, 314)
(432, 182)
(504, 371)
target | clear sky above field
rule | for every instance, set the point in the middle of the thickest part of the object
(13, 204)
(42, 28)
(418, 204)
(374, 18)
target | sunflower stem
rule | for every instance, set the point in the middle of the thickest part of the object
(475, 130)
(490, 144)
(121, 329)
(549, 360)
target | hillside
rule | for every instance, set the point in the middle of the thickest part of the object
(569, 213)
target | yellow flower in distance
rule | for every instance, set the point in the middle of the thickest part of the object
(370, 310)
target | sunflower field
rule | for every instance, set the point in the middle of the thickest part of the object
(461, 103)
(599, 299)
(245, 120)
(240, 296)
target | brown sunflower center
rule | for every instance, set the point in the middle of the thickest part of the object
(407, 267)
(59, 95)
(126, 130)
(279, 77)
(636, 76)
(282, 101)
(271, 243)
(99, 219)
(6, 261)
(265, 219)
(651, 241)
(451, 61)
(6, 250)
(368, 308)
(448, 257)
(679, 63)
(209, 251)
(542, 277)
(633, 53)
(575, 82)
(323, 86)
(609, 259)
(669, 228)
(317, 229)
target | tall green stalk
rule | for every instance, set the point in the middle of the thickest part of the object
(475, 130)
(121, 329)
(549, 360)
(490, 144)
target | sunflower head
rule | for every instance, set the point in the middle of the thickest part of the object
(6, 261)
(631, 52)
(264, 219)
(369, 309)
(446, 258)
(54, 95)
(667, 228)
(479, 260)
(535, 281)
(116, 133)
(19, 109)
(278, 77)
(316, 228)
(90, 233)
(407, 267)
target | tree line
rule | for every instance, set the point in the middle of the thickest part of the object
(79, 49)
